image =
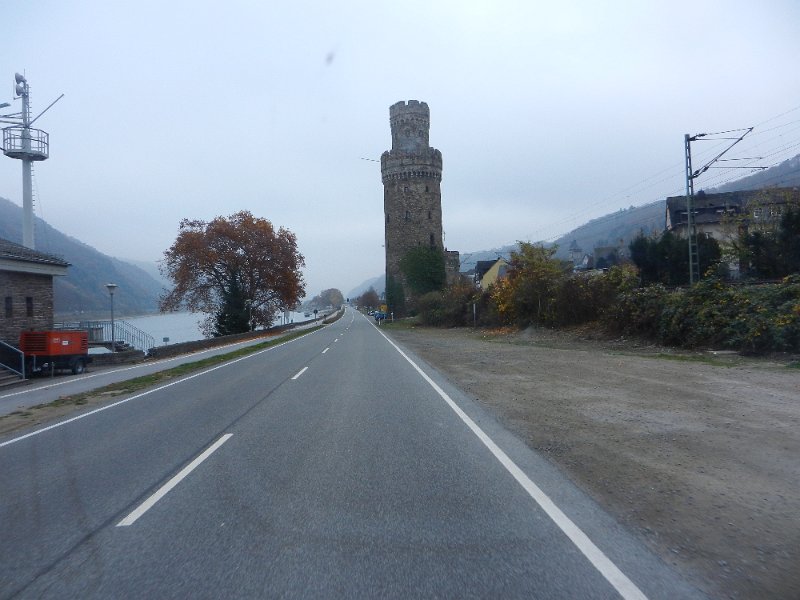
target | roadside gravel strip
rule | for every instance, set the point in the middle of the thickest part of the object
(697, 455)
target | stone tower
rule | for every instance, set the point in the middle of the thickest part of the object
(412, 200)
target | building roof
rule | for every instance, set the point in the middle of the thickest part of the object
(15, 257)
(710, 208)
(482, 266)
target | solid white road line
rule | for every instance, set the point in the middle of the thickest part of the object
(164, 489)
(103, 373)
(326, 349)
(148, 392)
(300, 372)
(626, 588)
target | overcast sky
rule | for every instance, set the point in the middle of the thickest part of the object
(547, 114)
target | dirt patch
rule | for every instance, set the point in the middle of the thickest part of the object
(65, 406)
(697, 453)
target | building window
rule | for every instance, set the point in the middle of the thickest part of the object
(408, 215)
(405, 188)
(432, 242)
(429, 215)
(426, 189)
(28, 306)
(9, 310)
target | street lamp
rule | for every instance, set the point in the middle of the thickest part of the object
(111, 287)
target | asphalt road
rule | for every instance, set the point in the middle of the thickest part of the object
(329, 466)
(43, 389)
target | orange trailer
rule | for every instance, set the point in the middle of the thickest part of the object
(51, 350)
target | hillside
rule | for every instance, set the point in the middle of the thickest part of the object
(786, 174)
(615, 229)
(82, 292)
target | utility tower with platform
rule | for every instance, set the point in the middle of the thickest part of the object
(25, 143)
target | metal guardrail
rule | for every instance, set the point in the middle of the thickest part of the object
(15, 350)
(124, 332)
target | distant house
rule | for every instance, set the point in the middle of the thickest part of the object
(608, 256)
(580, 260)
(487, 272)
(481, 267)
(714, 213)
(26, 281)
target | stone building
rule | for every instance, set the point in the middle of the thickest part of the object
(412, 198)
(26, 284)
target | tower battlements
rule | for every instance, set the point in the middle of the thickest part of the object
(410, 123)
(412, 107)
(407, 166)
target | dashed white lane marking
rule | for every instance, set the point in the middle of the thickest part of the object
(164, 489)
(147, 393)
(141, 367)
(626, 588)
(336, 340)
(300, 372)
(326, 349)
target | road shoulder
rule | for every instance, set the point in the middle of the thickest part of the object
(693, 453)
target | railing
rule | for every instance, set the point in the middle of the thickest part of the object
(124, 332)
(22, 142)
(11, 350)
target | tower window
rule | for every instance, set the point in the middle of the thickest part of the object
(28, 306)
(408, 215)
(426, 189)
(432, 242)
(9, 307)
(429, 215)
(388, 218)
(405, 188)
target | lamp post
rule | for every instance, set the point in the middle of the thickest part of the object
(111, 287)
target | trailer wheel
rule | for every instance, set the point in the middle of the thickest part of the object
(78, 367)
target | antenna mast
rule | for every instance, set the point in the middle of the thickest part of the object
(27, 144)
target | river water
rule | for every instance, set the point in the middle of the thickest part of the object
(181, 326)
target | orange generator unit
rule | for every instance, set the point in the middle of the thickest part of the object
(51, 350)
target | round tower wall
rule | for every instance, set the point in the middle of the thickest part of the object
(412, 201)
(413, 218)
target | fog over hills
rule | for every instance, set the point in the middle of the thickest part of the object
(82, 292)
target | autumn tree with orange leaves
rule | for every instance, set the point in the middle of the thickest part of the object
(239, 270)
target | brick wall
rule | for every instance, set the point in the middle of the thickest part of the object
(19, 287)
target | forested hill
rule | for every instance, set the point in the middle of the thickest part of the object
(623, 226)
(609, 230)
(786, 174)
(616, 229)
(82, 291)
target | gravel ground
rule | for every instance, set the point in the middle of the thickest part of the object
(697, 453)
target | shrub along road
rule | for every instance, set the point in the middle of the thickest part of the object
(696, 453)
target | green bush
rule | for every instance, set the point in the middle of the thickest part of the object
(451, 307)
(637, 311)
(755, 319)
